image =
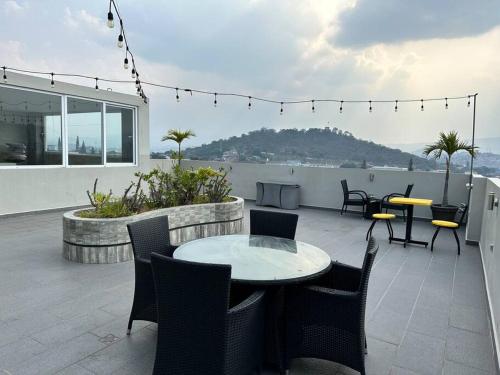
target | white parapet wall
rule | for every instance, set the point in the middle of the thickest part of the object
(490, 251)
(320, 187)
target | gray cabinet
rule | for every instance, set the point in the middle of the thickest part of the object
(278, 194)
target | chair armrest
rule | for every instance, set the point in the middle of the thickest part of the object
(360, 193)
(251, 301)
(340, 277)
(389, 196)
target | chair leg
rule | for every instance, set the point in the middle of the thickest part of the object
(458, 241)
(404, 215)
(366, 346)
(129, 328)
(434, 238)
(369, 233)
(389, 228)
(342, 210)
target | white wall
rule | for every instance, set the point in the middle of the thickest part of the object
(490, 254)
(41, 188)
(320, 187)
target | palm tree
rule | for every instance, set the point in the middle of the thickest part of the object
(178, 136)
(449, 144)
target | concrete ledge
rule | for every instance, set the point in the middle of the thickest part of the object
(107, 241)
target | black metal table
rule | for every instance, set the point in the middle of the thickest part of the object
(410, 203)
(262, 261)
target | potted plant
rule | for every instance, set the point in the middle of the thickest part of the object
(447, 143)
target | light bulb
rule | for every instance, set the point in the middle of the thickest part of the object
(120, 40)
(111, 23)
(133, 72)
(96, 85)
(370, 109)
(137, 83)
(249, 102)
(341, 104)
(396, 107)
(52, 84)
(422, 105)
(125, 63)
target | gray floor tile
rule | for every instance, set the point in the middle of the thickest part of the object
(469, 318)
(452, 368)
(81, 311)
(421, 353)
(430, 322)
(469, 348)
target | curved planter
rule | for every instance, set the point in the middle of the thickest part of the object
(107, 241)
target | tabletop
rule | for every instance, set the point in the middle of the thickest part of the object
(259, 259)
(411, 201)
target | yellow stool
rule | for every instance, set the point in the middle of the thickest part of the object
(387, 218)
(450, 225)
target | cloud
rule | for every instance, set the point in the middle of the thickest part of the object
(392, 21)
(13, 7)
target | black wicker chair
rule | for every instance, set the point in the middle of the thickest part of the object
(272, 223)
(327, 320)
(396, 207)
(147, 236)
(360, 201)
(197, 331)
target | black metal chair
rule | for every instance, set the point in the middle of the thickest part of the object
(327, 320)
(396, 207)
(147, 236)
(197, 331)
(349, 201)
(453, 225)
(272, 223)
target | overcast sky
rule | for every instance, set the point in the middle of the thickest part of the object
(346, 49)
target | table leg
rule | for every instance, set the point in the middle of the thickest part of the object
(409, 226)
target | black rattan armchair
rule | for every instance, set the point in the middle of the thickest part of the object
(147, 236)
(197, 331)
(327, 320)
(396, 207)
(349, 200)
(272, 223)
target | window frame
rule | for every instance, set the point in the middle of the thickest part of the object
(64, 131)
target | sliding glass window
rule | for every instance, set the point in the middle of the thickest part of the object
(30, 128)
(119, 134)
(85, 128)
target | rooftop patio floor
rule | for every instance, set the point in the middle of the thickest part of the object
(426, 312)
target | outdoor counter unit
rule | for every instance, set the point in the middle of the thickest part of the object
(278, 194)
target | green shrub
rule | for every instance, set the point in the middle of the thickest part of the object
(165, 189)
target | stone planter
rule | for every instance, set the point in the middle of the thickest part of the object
(107, 240)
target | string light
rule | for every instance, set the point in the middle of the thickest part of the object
(125, 62)
(133, 72)
(421, 104)
(139, 87)
(177, 94)
(281, 110)
(446, 103)
(120, 41)
(312, 108)
(110, 22)
(96, 83)
(370, 109)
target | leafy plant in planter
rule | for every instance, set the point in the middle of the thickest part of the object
(447, 143)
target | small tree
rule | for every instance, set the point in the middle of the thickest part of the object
(178, 136)
(77, 143)
(449, 144)
(83, 149)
